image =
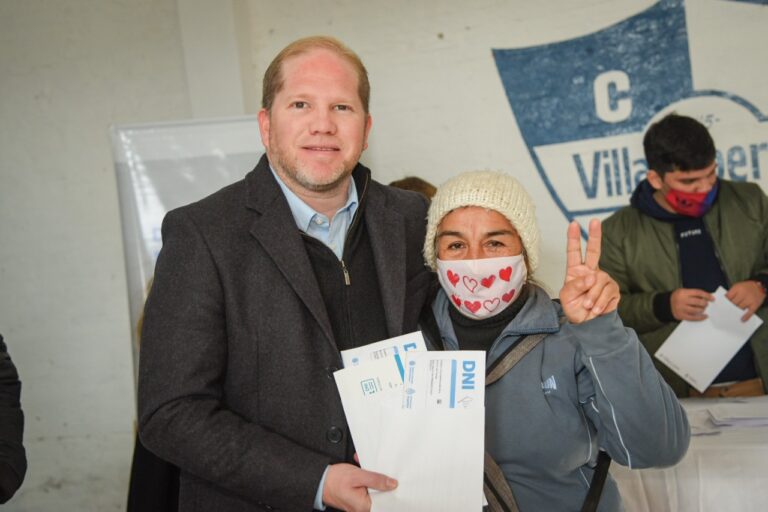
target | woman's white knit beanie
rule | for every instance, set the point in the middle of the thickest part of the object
(487, 189)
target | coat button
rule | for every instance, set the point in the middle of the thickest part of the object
(330, 371)
(334, 435)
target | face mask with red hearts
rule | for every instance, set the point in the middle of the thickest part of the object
(482, 288)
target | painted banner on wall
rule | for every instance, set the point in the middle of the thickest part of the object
(583, 104)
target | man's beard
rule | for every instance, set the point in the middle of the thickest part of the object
(293, 172)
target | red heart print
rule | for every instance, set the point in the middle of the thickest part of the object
(453, 278)
(456, 300)
(488, 281)
(508, 296)
(470, 284)
(472, 306)
(491, 304)
(505, 273)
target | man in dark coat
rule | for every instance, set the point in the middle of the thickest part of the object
(13, 458)
(259, 286)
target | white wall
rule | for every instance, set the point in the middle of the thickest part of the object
(67, 71)
(211, 57)
(70, 69)
(438, 104)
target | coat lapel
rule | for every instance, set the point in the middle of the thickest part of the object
(276, 231)
(386, 232)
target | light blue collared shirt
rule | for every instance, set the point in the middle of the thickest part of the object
(332, 232)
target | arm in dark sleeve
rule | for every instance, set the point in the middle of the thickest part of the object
(643, 311)
(761, 273)
(13, 459)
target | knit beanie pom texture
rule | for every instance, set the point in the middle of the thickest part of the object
(488, 189)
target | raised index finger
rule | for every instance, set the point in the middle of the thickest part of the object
(573, 249)
(592, 258)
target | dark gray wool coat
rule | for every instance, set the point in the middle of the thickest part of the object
(237, 356)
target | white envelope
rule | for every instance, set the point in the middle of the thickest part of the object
(366, 391)
(450, 379)
(398, 345)
(437, 457)
(435, 451)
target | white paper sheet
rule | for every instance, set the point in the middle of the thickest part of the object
(746, 414)
(698, 351)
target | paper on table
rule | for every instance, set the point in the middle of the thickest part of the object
(748, 414)
(698, 351)
(701, 423)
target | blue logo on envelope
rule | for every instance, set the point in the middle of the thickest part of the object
(582, 106)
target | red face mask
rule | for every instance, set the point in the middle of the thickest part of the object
(691, 204)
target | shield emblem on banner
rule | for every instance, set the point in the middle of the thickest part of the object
(583, 105)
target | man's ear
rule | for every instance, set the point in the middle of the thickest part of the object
(368, 124)
(264, 127)
(654, 179)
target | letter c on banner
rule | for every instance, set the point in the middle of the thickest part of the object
(608, 106)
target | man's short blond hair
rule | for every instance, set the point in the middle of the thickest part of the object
(274, 80)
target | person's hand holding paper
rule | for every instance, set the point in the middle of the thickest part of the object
(747, 295)
(698, 351)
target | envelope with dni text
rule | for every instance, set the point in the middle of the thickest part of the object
(427, 433)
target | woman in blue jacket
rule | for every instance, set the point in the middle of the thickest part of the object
(587, 385)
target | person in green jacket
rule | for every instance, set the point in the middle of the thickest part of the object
(685, 233)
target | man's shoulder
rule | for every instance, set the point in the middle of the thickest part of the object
(744, 189)
(407, 202)
(742, 200)
(622, 219)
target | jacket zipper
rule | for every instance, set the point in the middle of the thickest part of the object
(347, 280)
(346, 273)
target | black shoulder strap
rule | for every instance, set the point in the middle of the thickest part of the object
(598, 481)
(497, 490)
(511, 357)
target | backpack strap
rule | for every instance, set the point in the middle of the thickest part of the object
(497, 490)
(511, 357)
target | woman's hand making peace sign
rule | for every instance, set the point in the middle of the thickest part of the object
(588, 292)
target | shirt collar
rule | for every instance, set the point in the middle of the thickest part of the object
(303, 214)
